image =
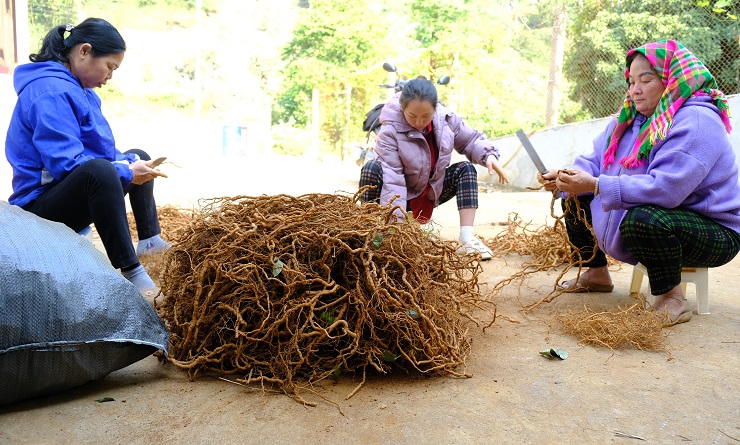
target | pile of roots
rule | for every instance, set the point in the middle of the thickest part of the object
(547, 246)
(634, 327)
(174, 222)
(292, 290)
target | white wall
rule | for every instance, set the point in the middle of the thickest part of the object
(558, 146)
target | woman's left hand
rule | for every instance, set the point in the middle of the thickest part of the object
(575, 182)
(494, 166)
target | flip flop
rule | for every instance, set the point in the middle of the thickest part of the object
(584, 286)
(683, 317)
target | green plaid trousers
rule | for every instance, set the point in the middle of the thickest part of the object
(663, 240)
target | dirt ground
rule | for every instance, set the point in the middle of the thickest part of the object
(596, 396)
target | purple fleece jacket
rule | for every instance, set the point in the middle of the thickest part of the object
(693, 168)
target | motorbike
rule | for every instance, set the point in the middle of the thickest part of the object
(371, 124)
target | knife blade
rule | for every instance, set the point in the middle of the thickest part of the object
(531, 151)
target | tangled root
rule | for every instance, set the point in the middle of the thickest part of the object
(549, 248)
(635, 327)
(292, 290)
(544, 244)
(173, 221)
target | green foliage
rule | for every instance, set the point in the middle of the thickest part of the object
(43, 15)
(289, 140)
(496, 89)
(603, 31)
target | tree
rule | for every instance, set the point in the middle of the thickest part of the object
(604, 30)
(334, 43)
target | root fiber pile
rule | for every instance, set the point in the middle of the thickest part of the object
(634, 327)
(547, 246)
(292, 290)
(172, 220)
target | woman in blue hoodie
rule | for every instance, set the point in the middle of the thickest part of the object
(661, 185)
(66, 167)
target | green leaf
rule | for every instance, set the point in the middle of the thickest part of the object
(328, 317)
(277, 268)
(721, 4)
(105, 399)
(559, 353)
(388, 356)
(554, 353)
(377, 241)
(337, 373)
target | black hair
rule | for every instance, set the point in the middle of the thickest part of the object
(101, 35)
(420, 89)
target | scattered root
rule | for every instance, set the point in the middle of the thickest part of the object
(548, 247)
(634, 327)
(292, 290)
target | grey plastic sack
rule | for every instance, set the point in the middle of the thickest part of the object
(66, 316)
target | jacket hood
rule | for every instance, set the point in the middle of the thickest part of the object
(392, 114)
(27, 73)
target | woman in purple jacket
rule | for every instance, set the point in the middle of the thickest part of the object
(66, 167)
(661, 186)
(413, 155)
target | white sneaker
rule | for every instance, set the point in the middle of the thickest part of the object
(475, 246)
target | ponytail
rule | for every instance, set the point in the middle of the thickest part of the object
(101, 35)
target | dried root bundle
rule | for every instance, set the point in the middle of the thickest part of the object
(172, 220)
(546, 245)
(635, 327)
(292, 290)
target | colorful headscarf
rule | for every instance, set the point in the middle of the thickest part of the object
(684, 76)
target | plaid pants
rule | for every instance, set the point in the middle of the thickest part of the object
(461, 180)
(664, 241)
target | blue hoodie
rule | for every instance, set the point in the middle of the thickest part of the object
(693, 168)
(56, 126)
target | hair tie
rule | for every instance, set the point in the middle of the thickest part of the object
(68, 30)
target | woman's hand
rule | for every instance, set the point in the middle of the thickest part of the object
(493, 165)
(143, 172)
(548, 179)
(575, 182)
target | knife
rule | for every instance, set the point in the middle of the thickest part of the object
(531, 151)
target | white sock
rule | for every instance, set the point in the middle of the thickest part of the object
(466, 234)
(151, 245)
(139, 278)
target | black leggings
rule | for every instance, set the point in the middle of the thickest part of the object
(92, 193)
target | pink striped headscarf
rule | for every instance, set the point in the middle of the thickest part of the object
(684, 76)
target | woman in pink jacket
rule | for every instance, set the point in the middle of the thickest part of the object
(413, 155)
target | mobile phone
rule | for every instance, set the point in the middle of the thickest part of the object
(157, 161)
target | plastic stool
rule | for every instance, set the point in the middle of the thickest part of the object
(697, 275)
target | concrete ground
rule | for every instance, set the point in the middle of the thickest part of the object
(597, 396)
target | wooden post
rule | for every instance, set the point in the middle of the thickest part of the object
(557, 54)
